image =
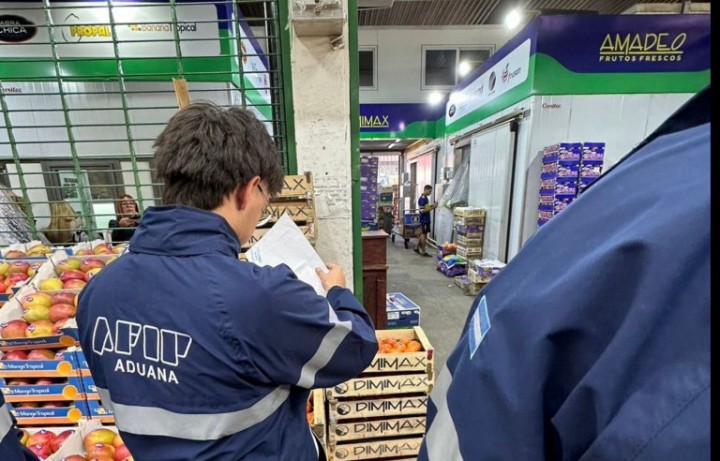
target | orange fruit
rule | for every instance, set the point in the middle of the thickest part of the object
(414, 346)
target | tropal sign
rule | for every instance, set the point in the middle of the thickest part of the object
(83, 31)
(506, 74)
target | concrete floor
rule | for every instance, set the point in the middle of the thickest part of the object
(443, 307)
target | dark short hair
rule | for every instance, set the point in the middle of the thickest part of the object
(428, 186)
(207, 151)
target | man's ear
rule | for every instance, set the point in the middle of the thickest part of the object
(243, 194)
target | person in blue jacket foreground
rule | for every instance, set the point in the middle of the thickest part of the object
(11, 449)
(201, 356)
(593, 343)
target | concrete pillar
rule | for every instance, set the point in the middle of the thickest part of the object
(321, 98)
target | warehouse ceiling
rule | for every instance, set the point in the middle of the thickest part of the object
(476, 12)
(458, 12)
(388, 145)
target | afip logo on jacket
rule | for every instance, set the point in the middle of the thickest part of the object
(150, 358)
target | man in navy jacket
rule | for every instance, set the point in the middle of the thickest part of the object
(201, 356)
(594, 342)
(10, 447)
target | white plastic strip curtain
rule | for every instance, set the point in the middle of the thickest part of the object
(490, 177)
(85, 87)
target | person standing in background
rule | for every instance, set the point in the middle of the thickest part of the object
(127, 218)
(425, 208)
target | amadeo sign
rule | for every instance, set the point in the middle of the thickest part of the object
(85, 31)
(509, 72)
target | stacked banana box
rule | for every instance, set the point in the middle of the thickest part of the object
(470, 229)
(381, 414)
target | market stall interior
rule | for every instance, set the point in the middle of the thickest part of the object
(507, 129)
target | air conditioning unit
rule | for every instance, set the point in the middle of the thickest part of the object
(375, 4)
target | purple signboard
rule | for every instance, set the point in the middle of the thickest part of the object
(627, 43)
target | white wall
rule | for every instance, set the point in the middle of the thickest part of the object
(399, 56)
(321, 98)
(621, 121)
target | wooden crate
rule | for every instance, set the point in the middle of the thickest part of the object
(467, 286)
(366, 386)
(350, 431)
(320, 426)
(469, 212)
(308, 231)
(470, 254)
(381, 449)
(339, 410)
(469, 242)
(301, 211)
(297, 186)
(407, 361)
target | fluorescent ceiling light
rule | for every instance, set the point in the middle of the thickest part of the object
(435, 98)
(464, 68)
(513, 18)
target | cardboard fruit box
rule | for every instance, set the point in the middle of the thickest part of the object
(42, 389)
(43, 416)
(58, 335)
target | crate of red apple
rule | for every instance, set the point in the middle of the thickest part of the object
(89, 441)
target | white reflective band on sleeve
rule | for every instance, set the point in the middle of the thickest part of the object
(5, 422)
(441, 440)
(105, 398)
(195, 426)
(329, 344)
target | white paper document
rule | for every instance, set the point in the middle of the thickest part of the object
(285, 243)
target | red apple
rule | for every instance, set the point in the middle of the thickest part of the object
(122, 453)
(91, 263)
(70, 264)
(99, 437)
(63, 297)
(54, 405)
(41, 354)
(41, 437)
(19, 382)
(18, 267)
(45, 382)
(13, 329)
(103, 458)
(15, 255)
(37, 299)
(100, 450)
(62, 311)
(83, 253)
(117, 441)
(28, 405)
(4, 287)
(58, 441)
(58, 326)
(69, 275)
(15, 277)
(41, 451)
(15, 355)
(92, 273)
(74, 284)
(100, 248)
(39, 329)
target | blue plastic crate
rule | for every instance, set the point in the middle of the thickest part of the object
(411, 218)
